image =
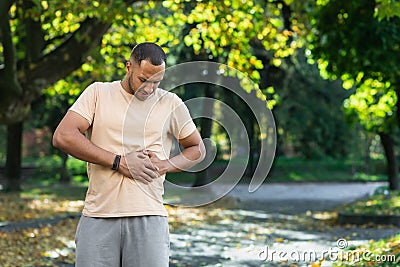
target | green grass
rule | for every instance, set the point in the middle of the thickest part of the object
(322, 170)
(282, 170)
(383, 203)
(181, 178)
(300, 170)
(71, 192)
(383, 252)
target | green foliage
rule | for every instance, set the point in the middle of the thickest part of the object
(233, 32)
(230, 31)
(48, 110)
(384, 252)
(373, 105)
(58, 20)
(386, 203)
(222, 31)
(76, 167)
(47, 170)
(309, 116)
(226, 28)
(386, 9)
(225, 32)
(352, 44)
(323, 170)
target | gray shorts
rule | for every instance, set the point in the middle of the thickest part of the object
(141, 241)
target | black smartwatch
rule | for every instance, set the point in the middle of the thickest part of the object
(116, 162)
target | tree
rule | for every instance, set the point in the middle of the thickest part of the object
(49, 109)
(351, 43)
(42, 42)
(309, 112)
(228, 32)
(387, 9)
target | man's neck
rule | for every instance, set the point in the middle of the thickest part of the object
(125, 86)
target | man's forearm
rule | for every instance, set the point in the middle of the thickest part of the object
(189, 157)
(78, 146)
(132, 165)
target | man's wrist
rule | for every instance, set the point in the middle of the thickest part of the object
(169, 166)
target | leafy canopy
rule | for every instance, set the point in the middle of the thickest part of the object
(351, 43)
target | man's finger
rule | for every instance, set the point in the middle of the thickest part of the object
(151, 174)
(142, 156)
(146, 177)
(142, 180)
(149, 165)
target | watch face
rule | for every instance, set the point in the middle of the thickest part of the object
(116, 162)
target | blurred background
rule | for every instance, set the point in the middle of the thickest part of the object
(328, 69)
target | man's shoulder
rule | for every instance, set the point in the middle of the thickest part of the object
(167, 95)
(105, 85)
(102, 89)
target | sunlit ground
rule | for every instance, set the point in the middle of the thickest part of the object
(220, 234)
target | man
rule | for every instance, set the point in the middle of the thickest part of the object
(129, 126)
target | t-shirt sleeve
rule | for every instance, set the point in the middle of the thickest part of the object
(182, 124)
(85, 105)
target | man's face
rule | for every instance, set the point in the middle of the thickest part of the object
(144, 79)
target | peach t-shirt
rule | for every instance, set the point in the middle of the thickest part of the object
(120, 123)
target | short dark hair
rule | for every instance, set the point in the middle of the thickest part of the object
(148, 51)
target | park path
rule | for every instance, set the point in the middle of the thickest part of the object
(300, 197)
(274, 226)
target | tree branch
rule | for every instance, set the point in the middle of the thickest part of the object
(10, 89)
(8, 47)
(4, 8)
(56, 38)
(66, 58)
(34, 40)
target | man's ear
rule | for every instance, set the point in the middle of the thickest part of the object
(128, 64)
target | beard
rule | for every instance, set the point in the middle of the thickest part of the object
(139, 93)
(131, 87)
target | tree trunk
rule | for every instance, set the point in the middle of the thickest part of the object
(65, 176)
(392, 167)
(398, 104)
(4, 8)
(255, 145)
(250, 131)
(13, 160)
(203, 177)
